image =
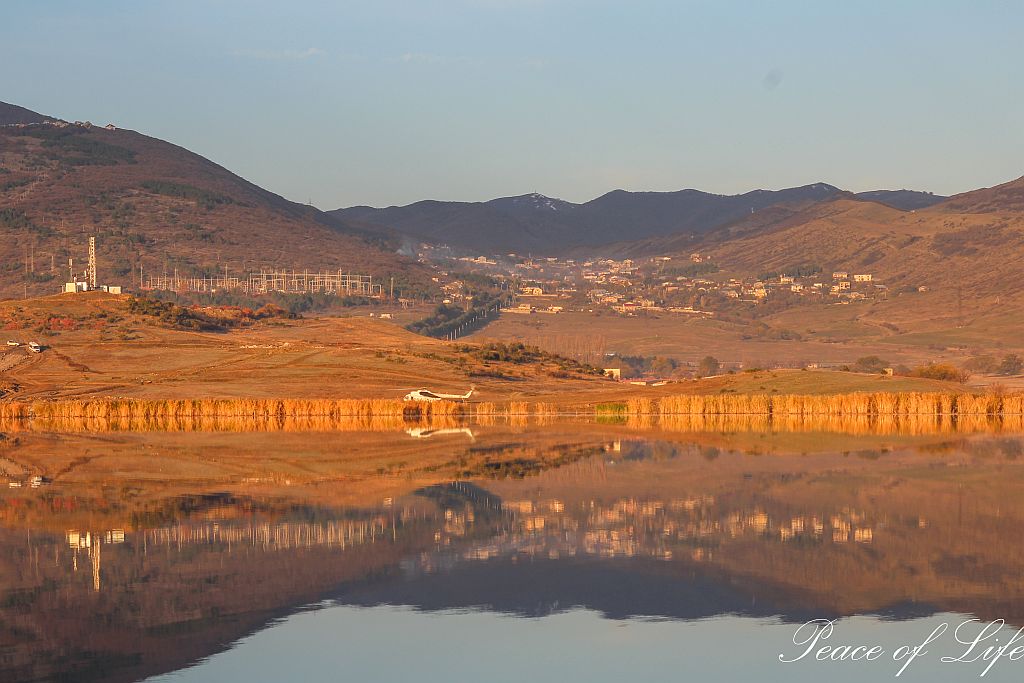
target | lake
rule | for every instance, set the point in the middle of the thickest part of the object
(597, 550)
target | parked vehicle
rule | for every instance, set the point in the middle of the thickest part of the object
(34, 347)
(11, 342)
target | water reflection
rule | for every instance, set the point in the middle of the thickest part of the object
(121, 577)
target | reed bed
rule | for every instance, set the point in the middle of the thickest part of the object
(847, 405)
(133, 409)
(853, 425)
(517, 408)
(640, 406)
(229, 423)
(482, 409)
(854, 413)
(541, 408)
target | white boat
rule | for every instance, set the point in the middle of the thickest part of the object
(425, 395)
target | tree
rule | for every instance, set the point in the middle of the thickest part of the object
(984, 364)
(872, 364)
(1012, 365)
(709, 365)
(662, 367)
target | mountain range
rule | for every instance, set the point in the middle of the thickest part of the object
(538, 224)
(156, 206)
(159, 207)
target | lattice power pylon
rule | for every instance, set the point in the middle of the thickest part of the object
(91, 274)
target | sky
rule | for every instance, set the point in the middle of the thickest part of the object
(384, 102)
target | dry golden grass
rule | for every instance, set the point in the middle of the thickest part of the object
(846, 405)
(853, 425)
(640, 406)
(875, 413)
(484, 409)
(517, 408)
(230, 414)
(545, 408)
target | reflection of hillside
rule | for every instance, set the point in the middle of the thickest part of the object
(118, 605)
(122, 585)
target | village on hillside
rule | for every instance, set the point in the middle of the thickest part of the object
(689, 286)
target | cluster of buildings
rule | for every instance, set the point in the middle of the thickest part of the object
(685, 286)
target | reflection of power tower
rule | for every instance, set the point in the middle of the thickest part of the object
(91, 274)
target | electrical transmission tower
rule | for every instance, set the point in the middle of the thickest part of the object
(92, 263)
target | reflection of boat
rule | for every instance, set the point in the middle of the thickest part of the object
(431, 396)
(426, 432)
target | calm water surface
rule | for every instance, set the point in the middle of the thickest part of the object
(597, 552)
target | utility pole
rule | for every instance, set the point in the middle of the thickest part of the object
(959, 306)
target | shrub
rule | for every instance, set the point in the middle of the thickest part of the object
(709, 365)
(941, 371)
(1012, 365)
(984, 364)
(872, 364)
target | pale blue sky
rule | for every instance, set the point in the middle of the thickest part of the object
(389, 101)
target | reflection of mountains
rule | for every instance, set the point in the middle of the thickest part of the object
(677, 536)
(643, 529)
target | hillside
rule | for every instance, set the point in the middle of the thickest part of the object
(955, 260)
(12, 114)
(98, 345)
(905, 200)
(154, 205)
(1001, 198)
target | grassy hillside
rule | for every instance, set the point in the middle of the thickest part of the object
(103, 345)
(155, 205)
(964, 248)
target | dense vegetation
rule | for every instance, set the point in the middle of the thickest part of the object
(638, 366)
(170, 314)
(519, 353)
(942, 371)
(16, 219)
(72, 147)
(802, 270)
(293, 304)
(688, 270)
(204, 198)
(1011, 364)
(209, 319)
(448, 319)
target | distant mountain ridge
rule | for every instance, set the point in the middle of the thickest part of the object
(540, 224)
